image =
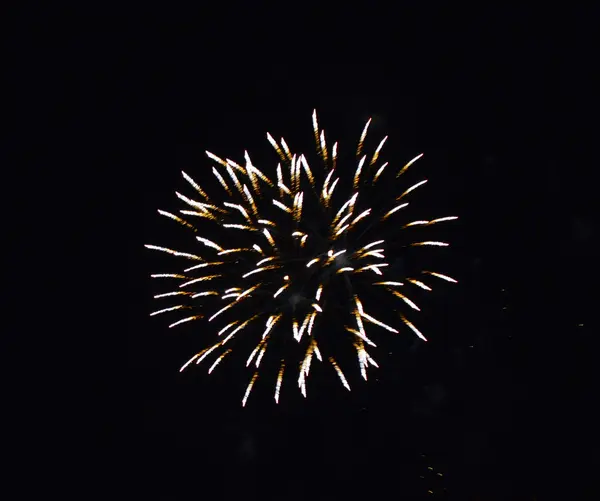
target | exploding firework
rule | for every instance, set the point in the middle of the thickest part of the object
(292, 263)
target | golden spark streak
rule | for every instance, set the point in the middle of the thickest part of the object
(239, 208)
(362, 138)
(261, 354)
(340, 373)
(307, 170)
(360, 216)
(413, 328)
(192, 203)
(360, 335)
(178, 219)
(316, 128)
(282, 206)
(204, 265)
(248, 291)
(412, 188)
(376, 154)
(225, 308)
(403, 170)
(279, 380)
(334, 154)
(216, 158)
(239, 227)
(249, 389)
(167, 294)
(286, 149)
(330, 192)
(323, 146)
(164, 310)
(405, 299)
(418, 283)
(199, 279)
(373, 320)
(173, 252)
(196, 186)
(183, 320)
(358, 171)
(222, 181)
(209, 243)
(439, 275)
(192, 359)
(236, 166)
(250, 200)
(442, 219)
(205, 215)
(437, 244)
(276, 146)
(235, 180)
(388, 283)
(397, 208)
(280, 290)
(372, 244)
(207, 293)
(218, 360)
(415, 223)
(379, 172)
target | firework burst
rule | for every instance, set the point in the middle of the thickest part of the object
(294, 263)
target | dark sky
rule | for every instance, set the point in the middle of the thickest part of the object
(113, 103)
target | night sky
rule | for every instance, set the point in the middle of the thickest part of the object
(113, 103)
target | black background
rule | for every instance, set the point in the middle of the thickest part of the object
(112, 103)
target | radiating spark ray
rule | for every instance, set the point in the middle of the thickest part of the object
(249, 388)
(177, 293)
(412, 327)
(196, 186)
(376, 154)
(218, 360)
(323, 146)
(395, 209)
(276, 147)
(279, 380)
(165, 310)
(173, 252)
(199, 279)
(361, 336)
(403, 170)
(316, 129)
(167, 275)
(191, 360)
(389, 282)
(435, 244)
(362, 138)
(405, 299)
(412, 188)
(340, 373)
(415, 223)
(439, 275)
(221, 181)
(418, 283)
(379, 172)
(178, 219)
(443, 219)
